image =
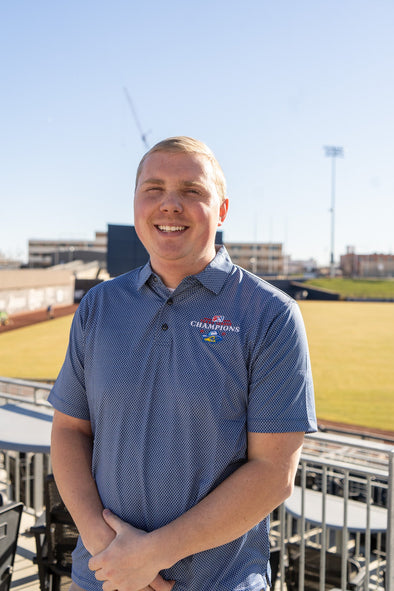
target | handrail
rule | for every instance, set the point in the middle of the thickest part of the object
(24, 388)
(25, 399)
(351, 441)
(27, 383)
(355, 468)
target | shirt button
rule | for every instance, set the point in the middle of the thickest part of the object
(164, 326)
(170, 302)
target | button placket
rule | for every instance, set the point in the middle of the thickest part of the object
(164, 334)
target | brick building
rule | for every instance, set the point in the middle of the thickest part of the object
(263, 258)
(367, 265)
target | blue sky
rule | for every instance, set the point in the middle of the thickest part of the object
(265, 84)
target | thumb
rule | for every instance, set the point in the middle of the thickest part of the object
(113, 520)
(160, 584)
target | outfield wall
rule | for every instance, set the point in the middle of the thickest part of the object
(299, 291)
(26, 290)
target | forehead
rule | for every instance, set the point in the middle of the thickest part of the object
(182, 166)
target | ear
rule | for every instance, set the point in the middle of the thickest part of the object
(223, 212)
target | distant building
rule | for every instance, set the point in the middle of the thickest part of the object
(300, 267)
(25, 290)
(125, 250)
(366, 265)
(47, 253)
(264, 258)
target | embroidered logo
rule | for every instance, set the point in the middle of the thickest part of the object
(218, 319)
(214, 329)
(212, 337)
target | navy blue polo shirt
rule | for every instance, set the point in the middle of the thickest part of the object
(171, 383)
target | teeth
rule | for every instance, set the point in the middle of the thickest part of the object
(171, 228)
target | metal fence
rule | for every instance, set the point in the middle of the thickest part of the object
(27, 390)
(22, 474)
(22, 478)
(337, 528)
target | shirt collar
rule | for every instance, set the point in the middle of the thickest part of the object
(215, 274)
(212, 277)
(145, 273)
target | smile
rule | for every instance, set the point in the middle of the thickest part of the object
(171, 228)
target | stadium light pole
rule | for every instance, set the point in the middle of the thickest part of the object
(333, 152)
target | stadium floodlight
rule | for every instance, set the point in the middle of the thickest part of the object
(333, 152)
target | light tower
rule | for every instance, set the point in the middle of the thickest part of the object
(333, 152)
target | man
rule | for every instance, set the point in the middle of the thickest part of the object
(183, 400)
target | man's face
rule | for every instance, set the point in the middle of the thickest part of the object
(177, 210)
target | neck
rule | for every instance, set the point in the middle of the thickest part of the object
(172, 273)
(172, 277)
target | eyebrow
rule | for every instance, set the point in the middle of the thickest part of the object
(153, 181)
(192, 184)
(157, 181)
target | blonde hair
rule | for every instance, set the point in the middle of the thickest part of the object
(184, 144)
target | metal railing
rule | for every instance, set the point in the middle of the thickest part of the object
(22, 478)
(358, 476)
(24, 390)
(22, 474)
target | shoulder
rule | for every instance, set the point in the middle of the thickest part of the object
(127, 281)
(109, 293)
(255, 289)
(260, 308)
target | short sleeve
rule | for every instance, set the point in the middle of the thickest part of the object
(68, 394)
(281, 397)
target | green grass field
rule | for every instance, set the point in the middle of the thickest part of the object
(35, 352)
(352, 353)
(351, 345)
(356, 288)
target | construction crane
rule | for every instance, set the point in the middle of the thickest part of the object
(142, 134)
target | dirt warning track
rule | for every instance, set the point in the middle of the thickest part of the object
(27, 318)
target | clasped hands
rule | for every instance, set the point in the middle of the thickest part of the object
(130, 562)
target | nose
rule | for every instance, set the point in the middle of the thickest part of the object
(171, 202)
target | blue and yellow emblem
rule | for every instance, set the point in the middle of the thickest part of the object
(212, 337)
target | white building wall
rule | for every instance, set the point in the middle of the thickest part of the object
(26, 290)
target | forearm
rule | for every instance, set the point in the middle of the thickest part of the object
(71, 453)
(227, 513)
(233, 508)
(224, 515)
(230, 510)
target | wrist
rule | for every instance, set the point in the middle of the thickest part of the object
(97, 537)
(167, 548)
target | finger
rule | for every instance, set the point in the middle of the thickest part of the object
(113, 520)
(94, 563)
(160, 584)
(99, 576)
